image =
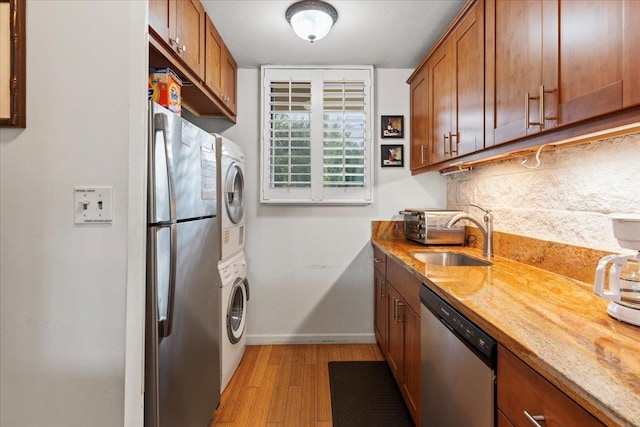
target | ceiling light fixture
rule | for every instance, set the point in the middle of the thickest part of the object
(311, 19)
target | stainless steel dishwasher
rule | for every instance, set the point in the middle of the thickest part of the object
(458, 363)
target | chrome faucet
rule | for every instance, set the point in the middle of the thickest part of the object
(486, 229)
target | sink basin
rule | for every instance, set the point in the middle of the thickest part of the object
(449, 259)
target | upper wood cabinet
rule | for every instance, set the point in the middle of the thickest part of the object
(468, 45)
(552, 63)
(229, 80)
(453, 101)
(442, 118)
(594, 57)
(521, 60)
(419, 88)
(181, 25)
(220, 68)
(457, 89)
(525, 73)
(184, 38)
(631, 62)
(159, 21)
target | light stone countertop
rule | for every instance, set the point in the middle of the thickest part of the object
(555, 324)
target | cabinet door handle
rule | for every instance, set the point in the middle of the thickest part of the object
(527, 118)
(395, 309)
(377, 260)
(182, 48)
(399, 318)
(175, 41)
(534, 418)
(382, 288)
(543, 118)
(444, 143)
(451, 150)
(422, 154)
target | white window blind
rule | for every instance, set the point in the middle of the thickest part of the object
(290, 134)
(344, 122)
(317, 135)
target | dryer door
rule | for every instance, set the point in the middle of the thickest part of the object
(233, 193)
(237, 310)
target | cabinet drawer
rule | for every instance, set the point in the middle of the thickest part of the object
(380, 261)
(407, 285)
(522, 389)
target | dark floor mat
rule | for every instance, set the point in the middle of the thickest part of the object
(366, 394)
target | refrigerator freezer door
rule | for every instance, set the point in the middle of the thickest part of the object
(194, 165)
(189, 358)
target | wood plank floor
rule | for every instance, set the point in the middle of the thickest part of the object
(285, 385)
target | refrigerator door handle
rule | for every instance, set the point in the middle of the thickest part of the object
(165, 323)
(160, 124)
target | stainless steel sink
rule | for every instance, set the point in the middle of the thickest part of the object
(449, 259)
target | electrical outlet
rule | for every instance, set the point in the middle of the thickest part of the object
(93, 205)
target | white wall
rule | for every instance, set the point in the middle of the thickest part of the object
(310, 267)
(566, 199)
(63, 288)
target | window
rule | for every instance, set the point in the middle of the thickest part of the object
(317, 135)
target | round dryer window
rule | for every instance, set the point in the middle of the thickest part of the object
(236, 312)
(233, 193)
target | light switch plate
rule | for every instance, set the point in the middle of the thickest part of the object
(93, 205)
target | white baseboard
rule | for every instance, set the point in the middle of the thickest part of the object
(311, 339)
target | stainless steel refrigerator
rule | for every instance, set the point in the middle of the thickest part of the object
(182, 344)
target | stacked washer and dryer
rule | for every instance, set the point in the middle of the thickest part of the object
(232, 265)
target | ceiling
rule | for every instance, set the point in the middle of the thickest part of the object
(382, 33)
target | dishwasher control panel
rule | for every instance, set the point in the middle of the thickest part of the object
(457, 323)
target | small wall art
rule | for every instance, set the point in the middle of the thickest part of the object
(392, 126)
(392, 155)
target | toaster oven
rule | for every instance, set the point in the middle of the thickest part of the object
(427, 227)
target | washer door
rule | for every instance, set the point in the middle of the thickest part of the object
(233, 193)
(237, 311)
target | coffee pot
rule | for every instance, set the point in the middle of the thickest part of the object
(622, 283)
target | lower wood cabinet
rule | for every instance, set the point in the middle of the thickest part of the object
(523, 393)
(403, 349)
(395, 330)
(403, 333)
(380, 310)
(411, 382)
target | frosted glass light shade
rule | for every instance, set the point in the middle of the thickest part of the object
(311, 19)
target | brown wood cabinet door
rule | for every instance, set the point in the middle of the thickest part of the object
(441, 106)
(213, 58)
(591, 59)
(631, 53)
(160, 13)
(419, 120)
(522, 389)
(411, 385)
(190, 31)
(469, 86)
(521, 58)
(380, 310)
(395, 334)
(229, 84)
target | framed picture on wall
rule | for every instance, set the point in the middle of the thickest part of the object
(392, 126)
(392, 155)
